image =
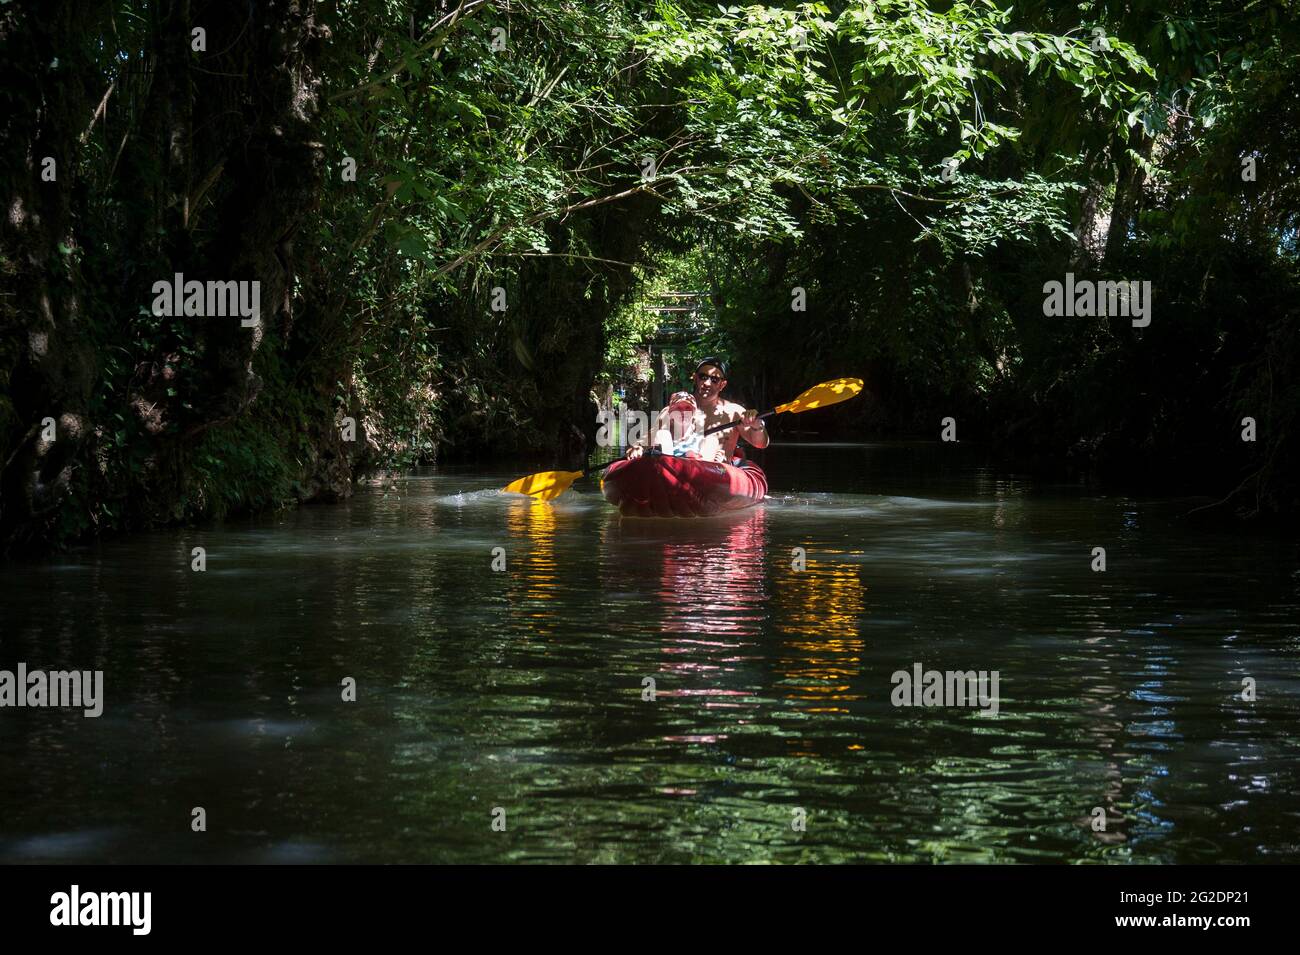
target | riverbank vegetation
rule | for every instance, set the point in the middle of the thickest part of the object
(456, 212)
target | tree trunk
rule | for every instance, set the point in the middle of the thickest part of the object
(217, 166)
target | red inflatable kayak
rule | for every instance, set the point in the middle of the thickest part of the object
(659, 485)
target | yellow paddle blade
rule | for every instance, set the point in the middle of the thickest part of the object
(823, 395)
(544, 485)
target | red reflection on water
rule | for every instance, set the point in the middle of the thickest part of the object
(709, 593)
(712, 586)
(713, 595)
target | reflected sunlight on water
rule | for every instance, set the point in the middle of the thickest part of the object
(525, 687)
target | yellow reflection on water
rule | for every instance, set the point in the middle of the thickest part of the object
(534, 573)
(818, 610)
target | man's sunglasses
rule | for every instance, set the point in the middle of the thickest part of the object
(716, 379)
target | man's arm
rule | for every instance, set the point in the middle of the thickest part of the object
(753, 430)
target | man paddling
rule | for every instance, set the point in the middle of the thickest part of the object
(710, 380)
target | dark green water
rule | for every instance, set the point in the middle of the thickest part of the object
(522, 689)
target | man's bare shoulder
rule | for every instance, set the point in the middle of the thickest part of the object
(730, 408)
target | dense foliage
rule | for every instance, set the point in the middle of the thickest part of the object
(458, 210)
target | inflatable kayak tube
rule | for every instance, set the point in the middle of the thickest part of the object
(659, 485)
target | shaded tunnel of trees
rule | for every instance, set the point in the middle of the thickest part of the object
(919, 170)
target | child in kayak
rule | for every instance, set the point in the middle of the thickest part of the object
(681, 427)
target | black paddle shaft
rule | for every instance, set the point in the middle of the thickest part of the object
(723, 426)
(731, 424)
(717, 427)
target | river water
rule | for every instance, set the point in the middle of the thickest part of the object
(519, 695)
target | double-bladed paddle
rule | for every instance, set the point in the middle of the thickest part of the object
(548, 485)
